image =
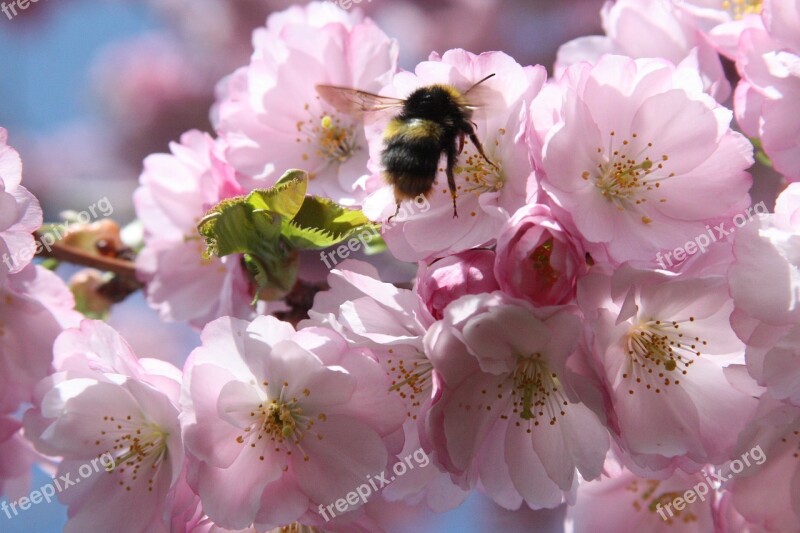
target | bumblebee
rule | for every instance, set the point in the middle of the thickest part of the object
(433, 121)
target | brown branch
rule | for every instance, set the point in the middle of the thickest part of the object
(121, 267)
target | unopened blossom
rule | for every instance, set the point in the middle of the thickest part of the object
(487, 195)
(35, 307)
(641, 160)
(20, 213)
(448, 279)
(764, 491)
(537, 260)
(650, 28)
(176, 191)
(279, 424)
(392, 322)
(507, 412)
(118, 414)
(665, 351)
(272, 116)
(768, 60)
(764, 280)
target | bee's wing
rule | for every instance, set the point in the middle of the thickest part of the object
(483, 100)
(355, 101)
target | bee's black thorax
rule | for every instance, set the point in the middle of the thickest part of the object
(439, 103)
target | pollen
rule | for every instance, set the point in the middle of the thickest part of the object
(539, 259)
(537, 391)
(739, 8)
(627, 175)
(790, 441)
(295, 528)
(279, 424)
(648, 498)
(411, 379)
(659, 353)
(329, 137)
(478, 174)
(138, 448)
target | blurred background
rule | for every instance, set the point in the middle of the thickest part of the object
(88, 88)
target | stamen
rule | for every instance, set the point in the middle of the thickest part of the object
(626, 180)
(411, 378)
(739, 8)
(657, 351)
(327, 136)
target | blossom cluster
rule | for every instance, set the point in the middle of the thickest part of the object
(543, 356)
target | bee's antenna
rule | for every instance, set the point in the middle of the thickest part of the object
(478, 83)
(389, 220)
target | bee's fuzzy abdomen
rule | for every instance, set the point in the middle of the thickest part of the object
(410, 164)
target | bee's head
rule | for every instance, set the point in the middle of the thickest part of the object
(434, 102)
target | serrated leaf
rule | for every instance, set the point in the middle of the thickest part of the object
(321, 223)
(305, 238)
(285, 198)
(270, 226)
(237, 228)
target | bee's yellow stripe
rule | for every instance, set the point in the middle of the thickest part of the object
(412, 129)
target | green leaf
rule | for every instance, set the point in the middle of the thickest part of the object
(234, 226)
(321, 223)
(759, 153)
(270, 226)
(285, 198)
(273, 279)
(375, 244)
(50, 263)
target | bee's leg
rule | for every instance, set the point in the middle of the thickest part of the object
(452, 157)
(395, 212)
(461, 143)
(479, 147)
(469, 129)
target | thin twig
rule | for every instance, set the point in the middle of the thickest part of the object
(69, 254)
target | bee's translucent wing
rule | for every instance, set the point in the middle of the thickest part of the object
(355, 101)
(484, 99)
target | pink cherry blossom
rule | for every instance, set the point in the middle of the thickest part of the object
(641, 159)
(272, 116)
(106, 405)
(452, 277)
(35, 307)
(722, 22)
(281, 423)
(768, 59)
(507, 411)
(664, 348)
(763, 280)
(621, 501)
(487, 197)
(765, 493)
(176, 191)
(17, 458)
(392, 323)
(537, 259)
(650, 28)
(20, 214)
(376, 516)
